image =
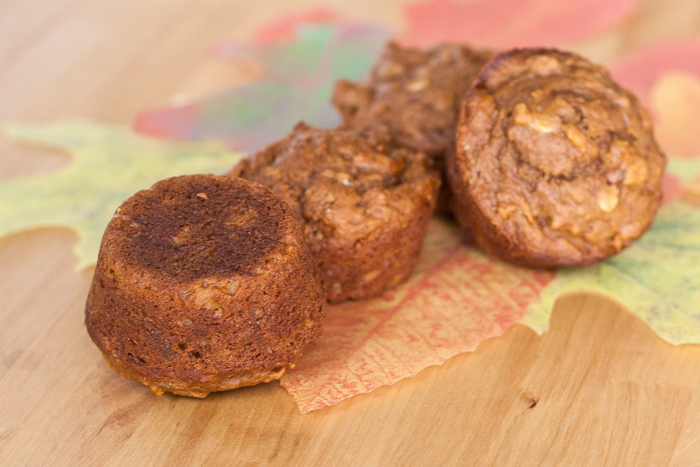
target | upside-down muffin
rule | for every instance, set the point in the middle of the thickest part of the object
(203, 283)
(555, 164)
(363, 203)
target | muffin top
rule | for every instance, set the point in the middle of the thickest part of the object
(416, 93)
(558, 156)
(343, 184)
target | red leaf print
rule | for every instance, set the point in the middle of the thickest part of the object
(671, 188)
(285, 28)
(512, 23)
(666, 78)
(639, 70)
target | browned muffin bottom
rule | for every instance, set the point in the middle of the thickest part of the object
(203, 283)
(363, 203)
(555, 163)
(415, 93)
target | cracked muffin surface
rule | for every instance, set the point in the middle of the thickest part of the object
(203, 283)
(555, 164)
(363, 203)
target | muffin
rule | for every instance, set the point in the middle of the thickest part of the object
(555, 164)
(363, 203)
(203, 283)
(415, 93)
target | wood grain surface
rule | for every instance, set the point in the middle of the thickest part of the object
(599, 388)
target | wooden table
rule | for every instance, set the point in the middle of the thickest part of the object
(600, 388)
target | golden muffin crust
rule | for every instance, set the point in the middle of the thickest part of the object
(555, 164)
(362, 201)
(203, 283)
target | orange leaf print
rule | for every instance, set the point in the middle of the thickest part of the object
(457, 298)
(675, 98)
